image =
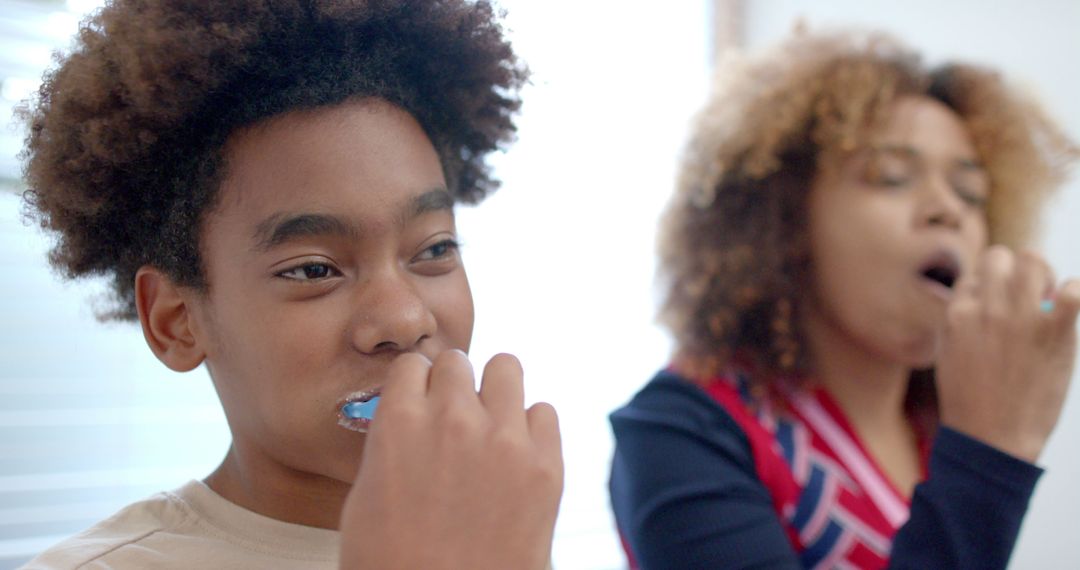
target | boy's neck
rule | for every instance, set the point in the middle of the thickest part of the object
(278, 492)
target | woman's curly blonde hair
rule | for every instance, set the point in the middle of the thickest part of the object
(733, 258)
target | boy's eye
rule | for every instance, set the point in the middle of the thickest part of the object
(309, 272)
(439, 250)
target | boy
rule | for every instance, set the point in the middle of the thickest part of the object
(269, 185)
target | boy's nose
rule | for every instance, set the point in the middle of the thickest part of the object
(391, 316)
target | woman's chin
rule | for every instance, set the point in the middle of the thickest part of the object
(918, 352)
(923, 356)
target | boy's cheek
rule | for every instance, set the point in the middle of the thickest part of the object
(311, 441)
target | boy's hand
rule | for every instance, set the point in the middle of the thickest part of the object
(451, 478)
(1006, 364)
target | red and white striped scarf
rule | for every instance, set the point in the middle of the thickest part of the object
(837, 506)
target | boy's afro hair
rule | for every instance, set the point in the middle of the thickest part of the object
(123, 158)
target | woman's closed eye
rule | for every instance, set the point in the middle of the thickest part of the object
(974, 198)
(972, 185)
(310, 272)
(888, 171)
(892, 180)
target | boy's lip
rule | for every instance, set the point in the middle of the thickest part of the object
(360, 396)
(355, 424)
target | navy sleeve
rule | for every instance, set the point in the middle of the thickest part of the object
(967, 513)
(685, 493)
(683, 486)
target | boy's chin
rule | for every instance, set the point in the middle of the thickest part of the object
(341, 460)
(345, 470)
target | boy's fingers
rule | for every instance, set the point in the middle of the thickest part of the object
(407, 377)
(544, 429)
(502, 390)
(452, 381)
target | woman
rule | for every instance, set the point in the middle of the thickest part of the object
(866, 367)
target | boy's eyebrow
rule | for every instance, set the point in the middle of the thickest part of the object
(280, 228)
(430, 201)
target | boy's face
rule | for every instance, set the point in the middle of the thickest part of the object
(332, 250)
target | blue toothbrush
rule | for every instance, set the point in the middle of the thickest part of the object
(360, 410)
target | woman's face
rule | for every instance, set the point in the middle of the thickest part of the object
(892, 227)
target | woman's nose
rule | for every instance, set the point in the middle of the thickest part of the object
(941, 206)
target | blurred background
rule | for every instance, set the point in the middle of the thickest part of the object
(561, 259)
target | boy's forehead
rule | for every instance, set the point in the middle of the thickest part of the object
(283, 226)
(367, 158)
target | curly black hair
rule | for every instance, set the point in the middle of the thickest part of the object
(124, 155)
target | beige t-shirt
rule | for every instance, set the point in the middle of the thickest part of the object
(192, 527)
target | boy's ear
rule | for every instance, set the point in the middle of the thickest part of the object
(167, 320)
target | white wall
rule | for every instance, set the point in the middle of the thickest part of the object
(1035, 42)
(561, 258)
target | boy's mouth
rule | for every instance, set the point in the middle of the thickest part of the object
(356, 411)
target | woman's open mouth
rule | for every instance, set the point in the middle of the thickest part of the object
(941, 272)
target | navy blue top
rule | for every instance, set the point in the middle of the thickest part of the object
(686, 495)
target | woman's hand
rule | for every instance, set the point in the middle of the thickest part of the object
(1006, 364)
(452, 478)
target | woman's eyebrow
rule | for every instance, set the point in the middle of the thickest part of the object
(908, 152)
(970, 164)
(280, 228)
(899, 149)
